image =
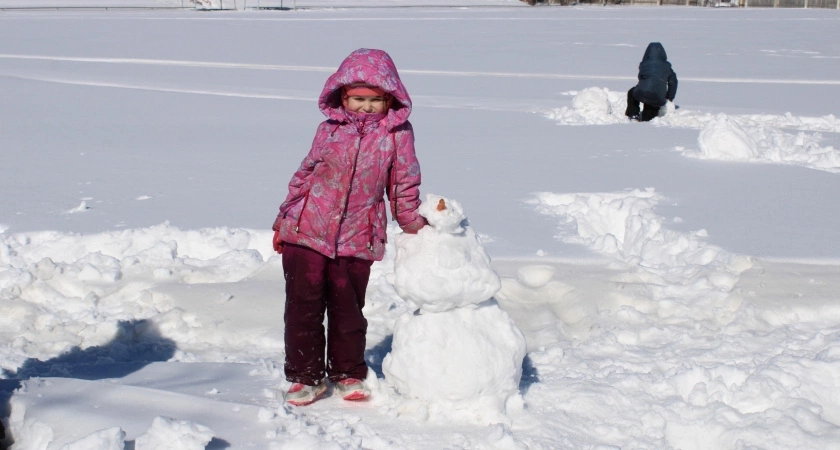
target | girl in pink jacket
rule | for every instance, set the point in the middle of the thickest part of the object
(332, 225)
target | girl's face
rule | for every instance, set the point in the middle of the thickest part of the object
(371, 104)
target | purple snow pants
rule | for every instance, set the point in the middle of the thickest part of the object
(316, 284)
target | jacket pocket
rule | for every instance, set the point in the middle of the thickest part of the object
(302, 210)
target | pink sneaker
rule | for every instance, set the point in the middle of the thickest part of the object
(352, 389)
(301, 394)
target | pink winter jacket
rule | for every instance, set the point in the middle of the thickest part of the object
(336, 200)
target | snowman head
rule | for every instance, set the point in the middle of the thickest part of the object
(445, 215)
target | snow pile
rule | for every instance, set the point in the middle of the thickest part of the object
(592, 106)
(65, 291)
(545, 309)
(172, 434)
(725, 138)
(443, 266)
(462, 358)
(685, 275)
(673, 306)
(592, 102)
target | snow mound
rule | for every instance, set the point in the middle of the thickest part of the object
(724, 139)
(690, 276)
(464, 364)
(65, 291)
(443, 266)
(593, 102)
(172, 434)
(733, 139)
(592, 106)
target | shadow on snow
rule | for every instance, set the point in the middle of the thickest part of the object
(136, 344)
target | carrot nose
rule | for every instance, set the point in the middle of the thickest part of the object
(441, 205)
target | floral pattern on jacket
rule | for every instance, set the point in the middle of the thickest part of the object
(336, 201)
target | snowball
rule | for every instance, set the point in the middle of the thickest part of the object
(172, 434)
(592, 100)
(724, 139)
(535, 276)
(463, 363)
(109, 439)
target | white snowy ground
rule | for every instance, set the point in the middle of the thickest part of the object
(676, 281)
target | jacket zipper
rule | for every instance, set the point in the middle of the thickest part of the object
(393, 177)
(349, 187)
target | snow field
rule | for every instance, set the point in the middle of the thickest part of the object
(656, 338)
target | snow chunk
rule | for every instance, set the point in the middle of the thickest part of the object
(172, 434)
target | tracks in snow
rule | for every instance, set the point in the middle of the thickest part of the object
(445, 73)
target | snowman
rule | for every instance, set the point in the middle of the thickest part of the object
(459, 355)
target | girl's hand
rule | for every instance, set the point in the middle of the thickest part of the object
(416, 227)
(277, 243)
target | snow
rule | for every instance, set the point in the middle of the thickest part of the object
(443, 266)
(670, 284)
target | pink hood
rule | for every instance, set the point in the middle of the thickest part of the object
(373, 67)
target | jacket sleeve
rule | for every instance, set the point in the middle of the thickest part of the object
(672, 86)
(404, 185)
(298, 183)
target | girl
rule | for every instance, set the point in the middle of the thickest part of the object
(331, 227)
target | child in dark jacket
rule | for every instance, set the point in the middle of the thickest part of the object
(332, 225)
(657, 84)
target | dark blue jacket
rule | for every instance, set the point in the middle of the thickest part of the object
(657, 81)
